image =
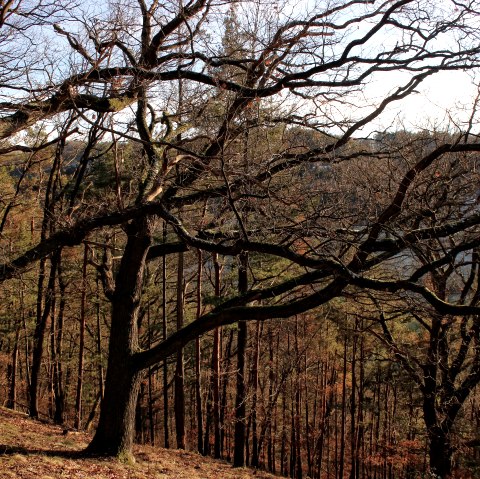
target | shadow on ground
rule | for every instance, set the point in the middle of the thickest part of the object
(6, 450)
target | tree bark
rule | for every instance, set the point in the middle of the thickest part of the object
(78, 396)
(343, 411)
(224, 396)
(116, 427)
(57, 352)
(179, 404)
(217, 453)
(255, 448)
(240, 410)
(440, 452)
(198, 360)
(38, 336)
(99, 344)
(40, 328)
(166, 435)
(151, 399)
(12, 373)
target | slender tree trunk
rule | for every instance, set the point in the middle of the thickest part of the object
(151, 400)
(93, 412)
(164, 337)
(361, 392)
(293, 431)
(336, 450)
(343, 418)
(353, 410)
(81, 351)
(27, 347)
(322, 375)
(53, 360)
(283, 445)
(378, 409)
(386, 426)
(179, 405)
(270, 414)
(224, 396)
(99, 344)
(217, 450)
(329, 407)
(208, 421)
(256, 356)
(240, 409)
(140, 415)
(308, 432)
(391, 433)
(12, 373)
(51, 365)
(38, 336)
(198, 360)
(297, 416)
(410, 467)
(44, 313)
(58, 384)
(40, 329)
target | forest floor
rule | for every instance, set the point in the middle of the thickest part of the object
(37, 450)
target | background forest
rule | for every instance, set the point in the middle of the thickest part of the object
(213, 235)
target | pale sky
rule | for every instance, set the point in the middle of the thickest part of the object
(444, 97)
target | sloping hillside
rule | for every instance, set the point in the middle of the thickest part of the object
(33, 450)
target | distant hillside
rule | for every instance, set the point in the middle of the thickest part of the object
(33, 450)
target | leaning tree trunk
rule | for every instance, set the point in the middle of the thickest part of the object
(116, 427)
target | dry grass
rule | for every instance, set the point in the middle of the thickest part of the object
(35, 450)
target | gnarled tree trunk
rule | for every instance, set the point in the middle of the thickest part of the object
(116, 427)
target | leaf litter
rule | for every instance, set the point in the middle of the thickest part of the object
(32, 449)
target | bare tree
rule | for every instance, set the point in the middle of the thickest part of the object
(301, 69)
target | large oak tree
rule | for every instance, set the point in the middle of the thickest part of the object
(261, 142)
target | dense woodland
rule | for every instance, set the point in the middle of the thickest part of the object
(208, 242)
